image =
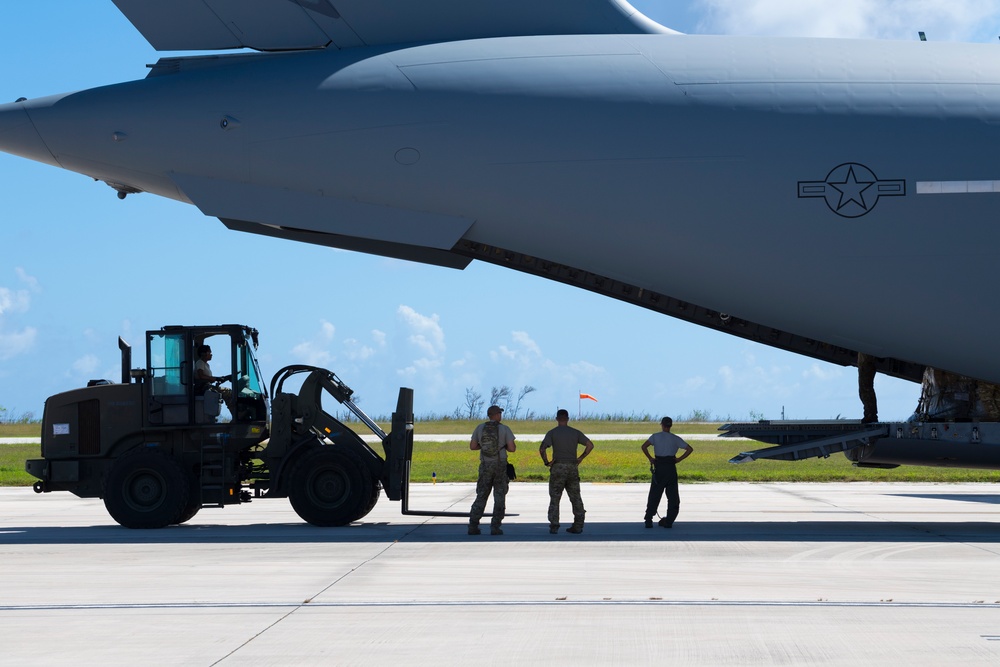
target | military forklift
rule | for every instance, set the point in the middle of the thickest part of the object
(164, 443)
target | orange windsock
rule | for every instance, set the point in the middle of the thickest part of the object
(583, 396)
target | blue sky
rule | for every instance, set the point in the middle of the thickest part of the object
(78, 267)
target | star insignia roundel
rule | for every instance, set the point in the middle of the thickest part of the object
(851, 190)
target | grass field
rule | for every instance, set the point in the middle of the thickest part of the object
(30, 430)
(622, 461)
(611, 461)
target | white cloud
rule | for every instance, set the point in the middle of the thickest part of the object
(527, 344)
(379, 337)
(524, 351)
(18, 342)
(12, 301)
(823, 373)
(523, 362)
(85, 365)
(316, 352)
(30, 281)
(466, 372)
(421, 367)
(356, 351)
(18, 301)
(752, 379)
(693, 385)
(426, 336)
(425, 332)
(943, 20)
(584, 369)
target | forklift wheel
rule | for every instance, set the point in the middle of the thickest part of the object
(146, 489)
(193, 505)
(329, 487)
(376, 492)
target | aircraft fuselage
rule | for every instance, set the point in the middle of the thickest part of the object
(845, 191)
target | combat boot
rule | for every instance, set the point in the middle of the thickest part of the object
(474, 529)
(576, 528)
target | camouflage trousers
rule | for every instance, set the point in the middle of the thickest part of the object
(492, 479)
(565, 476)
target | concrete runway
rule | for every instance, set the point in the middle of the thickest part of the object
(751, 574)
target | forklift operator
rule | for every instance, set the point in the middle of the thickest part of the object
(203, 377)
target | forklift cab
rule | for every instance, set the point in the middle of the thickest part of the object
(175, 396)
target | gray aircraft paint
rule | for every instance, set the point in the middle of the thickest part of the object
(820, 187)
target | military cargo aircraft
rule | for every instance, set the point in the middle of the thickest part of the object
(830, 196)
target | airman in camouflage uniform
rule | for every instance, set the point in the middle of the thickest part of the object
(565, 473)
(492, 473)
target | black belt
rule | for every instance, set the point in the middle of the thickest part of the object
(666, 458)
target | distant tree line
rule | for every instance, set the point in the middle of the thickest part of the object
(475, 404)
(7, 417)
(474, 409)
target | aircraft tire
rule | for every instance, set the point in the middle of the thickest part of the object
(146, 489)
(329, 487)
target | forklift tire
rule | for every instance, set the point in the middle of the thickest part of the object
(376, 485)
(146, 489)
(329, 487)
(376, 492)
(188, 513)
(193, 504)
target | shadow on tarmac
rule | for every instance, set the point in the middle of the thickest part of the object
(387, 532)
(988, 499)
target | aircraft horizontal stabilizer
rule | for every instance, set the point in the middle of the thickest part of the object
(283, 25)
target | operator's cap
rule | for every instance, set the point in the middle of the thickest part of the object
(493, 410)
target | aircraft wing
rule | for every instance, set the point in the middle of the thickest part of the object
(278, 25)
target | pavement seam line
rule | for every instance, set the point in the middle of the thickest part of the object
(252, 638)
(306, 602)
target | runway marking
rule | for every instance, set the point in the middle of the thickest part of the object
(295, 606)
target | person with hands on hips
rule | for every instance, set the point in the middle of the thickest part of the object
(664, 462)
(564, 472)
